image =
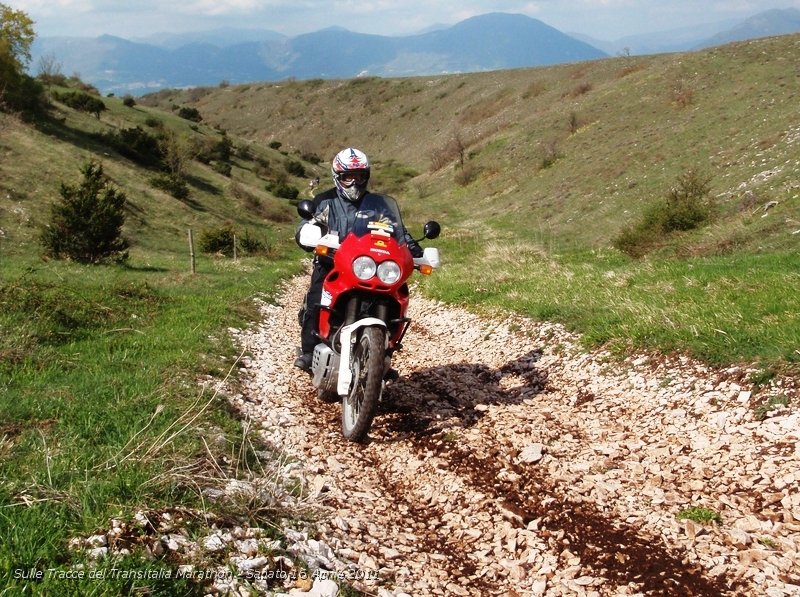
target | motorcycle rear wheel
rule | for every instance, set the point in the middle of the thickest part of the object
(361, 404)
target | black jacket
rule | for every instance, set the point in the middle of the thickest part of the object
(335, 214)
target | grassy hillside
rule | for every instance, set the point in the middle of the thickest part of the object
(35, 159)
(558, 161)
(102, 409)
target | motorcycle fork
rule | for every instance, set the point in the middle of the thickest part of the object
(354, 306)
(352, 313)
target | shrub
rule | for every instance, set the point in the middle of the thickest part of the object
(208, 150)
(466, 175)
(218, 240)
(283, 190)
(252, 245)
(275, 144)
(311, 158)
(128, 101)
(222, 168)
(190, 114)
(550, 155)
(138, 145)
(86, 225)
(295, 168)
(687, 206)
(169, 183)
(83, 102)
(688, 203)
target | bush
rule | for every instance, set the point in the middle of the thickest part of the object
(190, 114)
(275, 144)
(283, 190)
(86, 225)
(295, 168)
(81, 101)
(138, 145)
(311, 158)
(218, 240)
(464, 176)
(222, 168)
(687, 206)
(174, 185)
(251, 245)
(128, 101)
(209, 150)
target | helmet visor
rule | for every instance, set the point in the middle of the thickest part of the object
(353, 177)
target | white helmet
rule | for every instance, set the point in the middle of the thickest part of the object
(350, 169)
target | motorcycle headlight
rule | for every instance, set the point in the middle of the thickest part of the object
(388, 272)
(364, 267)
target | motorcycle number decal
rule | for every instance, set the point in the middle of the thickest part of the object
(326, 299)
(381, 228)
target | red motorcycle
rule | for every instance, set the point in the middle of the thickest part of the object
(362, 317)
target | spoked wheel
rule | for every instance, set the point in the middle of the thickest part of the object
(360, 405)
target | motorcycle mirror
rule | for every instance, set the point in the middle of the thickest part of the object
(305, 209)
(432, 229)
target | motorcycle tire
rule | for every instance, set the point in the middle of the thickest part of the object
(361, 404)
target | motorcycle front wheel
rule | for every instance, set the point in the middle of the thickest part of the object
(360, 405)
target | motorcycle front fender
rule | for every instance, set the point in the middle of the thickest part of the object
(347, 339)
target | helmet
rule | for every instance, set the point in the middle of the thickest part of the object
(350, 169)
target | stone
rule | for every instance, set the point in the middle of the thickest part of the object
(531, 453)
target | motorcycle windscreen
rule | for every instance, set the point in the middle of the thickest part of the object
(379, 215)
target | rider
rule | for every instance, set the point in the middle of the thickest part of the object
(334, 211)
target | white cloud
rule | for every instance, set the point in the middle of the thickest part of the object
(603, 19)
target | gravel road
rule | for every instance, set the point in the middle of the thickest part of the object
(506, 460)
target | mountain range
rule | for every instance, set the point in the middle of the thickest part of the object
(488, 42)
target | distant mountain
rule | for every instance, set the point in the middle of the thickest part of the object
(685, 39)
(764, 24)
(661, 42)
(488, 42)
(223, 37)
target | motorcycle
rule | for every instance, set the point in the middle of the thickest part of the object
(362, 316)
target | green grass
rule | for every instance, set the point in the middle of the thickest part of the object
(100, 370)
(721, 309)
(700, 515)
(775, 402)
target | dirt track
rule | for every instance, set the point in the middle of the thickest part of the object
(507, 461)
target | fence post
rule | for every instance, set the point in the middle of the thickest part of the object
(191, 252)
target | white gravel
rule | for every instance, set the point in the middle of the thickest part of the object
(507, 461)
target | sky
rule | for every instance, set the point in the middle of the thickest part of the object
(606, 20)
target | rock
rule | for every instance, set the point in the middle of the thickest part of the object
(531, 453)
(97, 541)
(253, 563)
(213, 543)
(737, 538)
(97, 553)
(692, 529)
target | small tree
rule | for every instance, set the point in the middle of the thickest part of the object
(86, 225)
(18, 91)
